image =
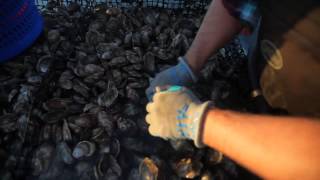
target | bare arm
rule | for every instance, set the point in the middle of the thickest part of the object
(217, 29)
(272, 147)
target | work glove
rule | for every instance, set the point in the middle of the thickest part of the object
(180, 75)
(176, 113)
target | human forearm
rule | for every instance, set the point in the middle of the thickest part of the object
(218, 28)
(272, 147)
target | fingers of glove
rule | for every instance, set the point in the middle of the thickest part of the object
(158, 89)
(156, 97)
(162, 98)
(150, 107)
(150, 92)
(158, 81)
(148, 118)
(153, 130)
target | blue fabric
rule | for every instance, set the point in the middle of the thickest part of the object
(247, 11)
(179, 75)
(20, 25)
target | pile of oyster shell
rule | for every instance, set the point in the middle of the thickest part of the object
(73, 105)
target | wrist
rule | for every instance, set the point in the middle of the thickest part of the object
(183, 62)
(200, 118)
(214, 125)
(192, 62)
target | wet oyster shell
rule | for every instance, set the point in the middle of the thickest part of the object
(187, 168)
(84, 149)
(149, 169)
(65, 153)
(108, 97)
(42, 158)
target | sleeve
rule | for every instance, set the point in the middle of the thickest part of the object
(247, 11)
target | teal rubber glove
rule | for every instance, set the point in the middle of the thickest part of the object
(176, 113)
(180, 75)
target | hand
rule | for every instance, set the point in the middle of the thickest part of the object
(176, 113)
(180, 75)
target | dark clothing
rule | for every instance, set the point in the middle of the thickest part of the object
(247, 11)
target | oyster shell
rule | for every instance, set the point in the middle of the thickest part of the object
(53, 35)
(65, 80)
(187, 168)
(148, 169)
(107, 165)
(83, 149)
(8, 123)
(65, 153)
(106, 121)
(149, 62)
(86, 120)
(42, 158)
(126, 126)
(66, 133)
(94, 37)
(57, 104)
(214, 157)
(44, 63)
(118, 61)
(108, 97)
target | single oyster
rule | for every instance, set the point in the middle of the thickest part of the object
(65, 80)
(106, 121)
(85, 120)
(149, 170)
(108, 97)
(66, 133)
(187, 168)
(106, 165)
(149, 62)
(41, 158)
(57, 104)
(213, 157)
(127, 126)
(94, 37)
(84, 149)
(65, 153)
(53, 35)
(118, 61)
(8, 122)
(207, 175)
(44, 64)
